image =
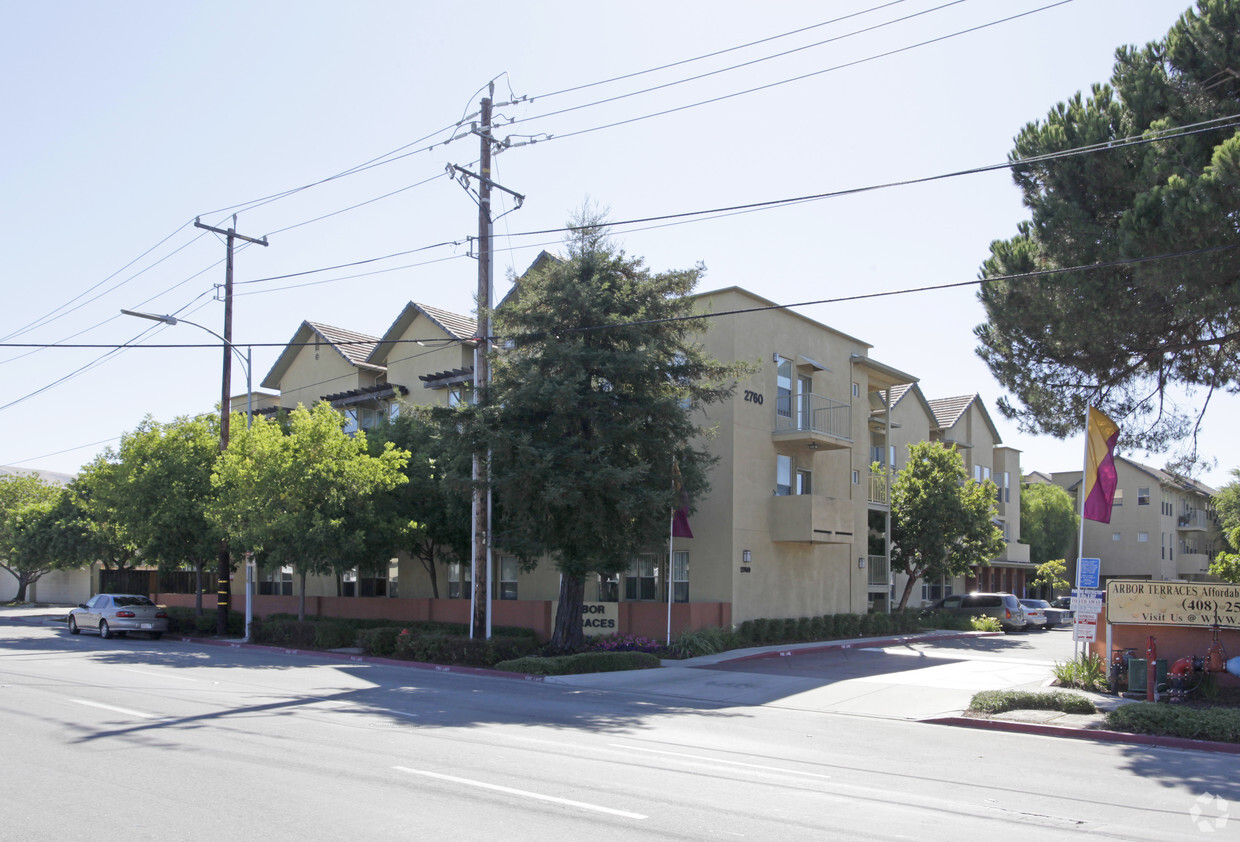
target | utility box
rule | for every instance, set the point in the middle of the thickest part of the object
(1138, 671)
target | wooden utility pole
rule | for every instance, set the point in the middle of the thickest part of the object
(224, 591)
(480, 626)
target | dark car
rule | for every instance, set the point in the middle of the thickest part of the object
(1064, 604)
(117, 613)
(1004, 607)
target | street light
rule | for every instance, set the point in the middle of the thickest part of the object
(224, 410)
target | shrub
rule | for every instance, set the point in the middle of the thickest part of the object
(1216, 724)
(705, 641)
(1084, 671)
(803, 629)
(985, 624)
(582, 662)
(293, 633)
(761, 631)
(380, 641)
(998, 701)
(847, 625)
(335, 634)
(817, 629)
(745, 632)
(828, 627)
(624, 643)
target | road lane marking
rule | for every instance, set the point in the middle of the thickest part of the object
(523, 793)
(706, 759)
(115, 709)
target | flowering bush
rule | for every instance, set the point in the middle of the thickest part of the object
(625, 643)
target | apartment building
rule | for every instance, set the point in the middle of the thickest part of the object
(1163, 526)
(795, 523)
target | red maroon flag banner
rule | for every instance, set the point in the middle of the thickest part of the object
(1100, 476)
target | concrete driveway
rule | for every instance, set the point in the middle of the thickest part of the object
(920, 677)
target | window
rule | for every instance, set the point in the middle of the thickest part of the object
(1143, 537)
(1114, 536)
(350, 421)
(458, 574)
(803, 485)
(642, 579)
(459, 394)
(783, 475)
(507, 578)
(783, 387)
(856, 477)
(981, 473)
(1143, 496)
(1119, 497)
(805, 417)
(609, 588)
(276, 583)
(1004, 481)
(680, 577)
(933, 591)
(856, 390)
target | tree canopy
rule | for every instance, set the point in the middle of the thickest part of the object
(1226, 565)
(1048, 521)
(942, 523)
(1139, 183)
(593, 402)
(25, 502)
(304, 496)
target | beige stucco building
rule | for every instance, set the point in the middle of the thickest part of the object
(795, 524)
(1163, 526)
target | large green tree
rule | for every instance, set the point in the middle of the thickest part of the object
(594, 400)
(25, 500)
(1226, 565)
(1152, 327)
(1048, 521)
(305, 495)
(942, 524)
(89, 527)
(428, 516)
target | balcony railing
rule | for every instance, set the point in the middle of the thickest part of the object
(1192, 519)
(879, 570)
(878, 489)
(814, 416)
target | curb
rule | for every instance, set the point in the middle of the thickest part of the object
(360, 659)
(1097, 735)
(857, 643)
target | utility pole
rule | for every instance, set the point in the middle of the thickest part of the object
(224, 591)
(480, 561)
(480, 625)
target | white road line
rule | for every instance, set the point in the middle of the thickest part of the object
(115, 709)
(160, 675)
(523, 793)
(706, 759)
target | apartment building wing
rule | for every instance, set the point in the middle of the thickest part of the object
(320, 360)
(1163, 526)
(429, 351)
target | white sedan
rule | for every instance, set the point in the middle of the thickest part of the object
(1035, 613)
(117, 613)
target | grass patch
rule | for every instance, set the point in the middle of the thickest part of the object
(1221, 725)
(1000, 701)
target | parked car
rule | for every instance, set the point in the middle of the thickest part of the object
(112, 614)
(1035, 613)
(1004, 607)
(1064, 604)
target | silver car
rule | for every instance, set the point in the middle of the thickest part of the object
(117, 613)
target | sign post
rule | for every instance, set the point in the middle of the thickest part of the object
(1086, 600)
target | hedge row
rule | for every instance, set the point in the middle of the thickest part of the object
(827, 627)
(582, 662)
(999, 701)
(1220, 725)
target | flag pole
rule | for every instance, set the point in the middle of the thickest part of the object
(1080, 542)
(671, 537)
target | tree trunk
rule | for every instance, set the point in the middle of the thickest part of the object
(568, 635)
(427, 557)
(301, 600)
(908, 591)
(23, 579)
(198, 565)
(224, 594)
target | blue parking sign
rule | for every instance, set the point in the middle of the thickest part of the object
(1087, 570)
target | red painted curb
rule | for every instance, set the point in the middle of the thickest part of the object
(1098, 735)
(363, 659)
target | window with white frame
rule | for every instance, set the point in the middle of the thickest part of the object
(458, 580)
(1143, 496)
(507, 578)
(641, 582)
(1143, 537)
(1118, 500)
(783, 475)
(932, 591)
(783, 387)
(804, 483)
(609, 588)
(1114, 536)
(680, 577)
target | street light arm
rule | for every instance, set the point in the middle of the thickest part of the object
(173, 320)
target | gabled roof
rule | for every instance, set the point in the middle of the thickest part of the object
(459, 327)
(1167, 478)
(949, 411)
(353, 346)
(899, 393)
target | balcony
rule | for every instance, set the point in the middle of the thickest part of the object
(878, 490)
(813, 420)
(1191, 564)
(811, 519)
(879, 571)
(1194, 520)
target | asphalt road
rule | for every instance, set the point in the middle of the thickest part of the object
(136, 739)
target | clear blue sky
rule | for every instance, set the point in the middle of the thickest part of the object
(127, 120)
